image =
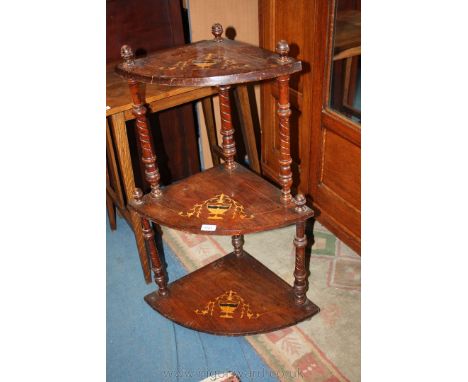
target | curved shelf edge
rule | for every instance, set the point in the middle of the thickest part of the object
(222, 80)
(232, 296)
(221, 202)
(224, 231)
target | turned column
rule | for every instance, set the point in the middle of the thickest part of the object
(148, 156)
(156, 263)
(300, 274)
(227, 131)
(238, 244)
(285, 174)
(300, 242)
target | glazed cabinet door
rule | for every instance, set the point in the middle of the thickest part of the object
(335, 170)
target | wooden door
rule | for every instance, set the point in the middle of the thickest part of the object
(335, 167)
(325, 142)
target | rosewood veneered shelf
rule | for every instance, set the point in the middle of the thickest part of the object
(234, 295)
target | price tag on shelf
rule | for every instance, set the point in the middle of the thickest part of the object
(208, 227)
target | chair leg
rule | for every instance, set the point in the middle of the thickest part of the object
(125, 164)
(111, 212)
(208, 114)
(247, 126)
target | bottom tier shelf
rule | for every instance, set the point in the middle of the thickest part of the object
(232, 296)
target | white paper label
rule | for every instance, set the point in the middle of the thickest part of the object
(208, 227)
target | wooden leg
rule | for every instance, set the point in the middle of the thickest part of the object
(111, 211)
(300, 274)
(113, 168)
(227, 131)
(156, 264)
(207, 106)
(148, 155)
(238, 243)
(285, 174)
(125, 164)
(247, 126)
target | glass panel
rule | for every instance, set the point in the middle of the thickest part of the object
(345, 89)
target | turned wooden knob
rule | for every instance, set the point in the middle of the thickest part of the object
(217, 30)
(138, 195)
(282, 48)
(300, 201)
(127, 55)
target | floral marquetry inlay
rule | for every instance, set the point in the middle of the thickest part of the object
(227, 306)
(217, 208)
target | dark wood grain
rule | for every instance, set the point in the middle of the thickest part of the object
(284, 159)
(208, 63)
(238, 244)
(146, 142)
(260, 300)
(146, 25)
(235, 295)
(156, 264)
(227, 131)
(251, 204)
(300, 274)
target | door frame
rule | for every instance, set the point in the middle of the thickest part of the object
(328, 120)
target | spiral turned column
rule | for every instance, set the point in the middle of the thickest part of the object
(227, 131)
(284, 112)
(148, 234)
(148, 156)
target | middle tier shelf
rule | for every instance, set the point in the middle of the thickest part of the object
(221, 202)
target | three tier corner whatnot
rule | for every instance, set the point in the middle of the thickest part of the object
(236, 294)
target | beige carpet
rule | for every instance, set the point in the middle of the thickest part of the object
(323, 349)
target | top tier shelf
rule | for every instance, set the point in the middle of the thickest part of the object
(208, 63)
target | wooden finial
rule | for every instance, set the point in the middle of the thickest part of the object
(300, 201)
(127, 54)
(282, 48)
(217, 30)
(138, 195)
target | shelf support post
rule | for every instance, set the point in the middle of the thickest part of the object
(148, 155)
(284, 111)
(300, 274)
(238, 244)
(227, 131)
(156, 263)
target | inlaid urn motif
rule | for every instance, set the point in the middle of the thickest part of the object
(217, 208)
(227, 305)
